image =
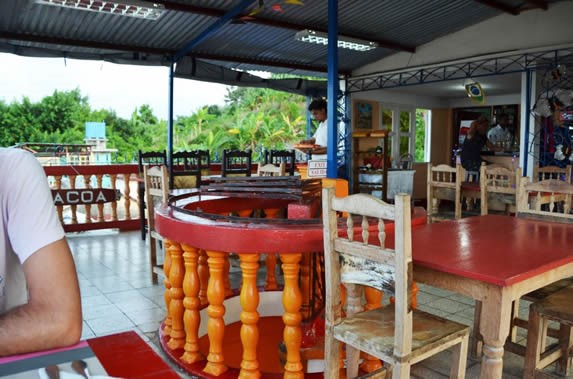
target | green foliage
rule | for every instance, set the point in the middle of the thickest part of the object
(254, 118)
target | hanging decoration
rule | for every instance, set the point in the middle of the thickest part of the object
(475, 92)
(276, 6)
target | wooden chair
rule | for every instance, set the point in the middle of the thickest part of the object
(394, 333)
(552, 172)
(156, 191)
(547, 302)
(444, 182)
(556, 307)
(236, 162)
(499, 184)
(149, 158)
(271, 170)
(287, 157)
(548, 199)
(186, 168)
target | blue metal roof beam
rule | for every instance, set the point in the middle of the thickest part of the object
(235, 11)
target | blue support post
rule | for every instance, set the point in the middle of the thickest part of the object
(332, 91)
(170, 122)
(525, 153)
(235, 11)
(308, 118)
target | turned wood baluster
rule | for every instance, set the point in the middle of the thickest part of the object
(127, 190)
(191, 317)
(203, 271)
(88, 207)
(216, 310)
(73, 208)
(373, 300)
(177, 340)
(305, 307)
(271, 259)
(226, 278)
(99, 179)
(59, 208)
(249, 316)
(113, 178)
(167, 283)
(292, 300)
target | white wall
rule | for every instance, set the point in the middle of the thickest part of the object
(464, 101)
(529, 30)
(394, 98)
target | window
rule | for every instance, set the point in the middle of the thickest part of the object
(410, 132)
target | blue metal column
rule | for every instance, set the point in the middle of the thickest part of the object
(170, 122)
(525, 152)
(308, 118)
(211, 29)
(332, 91)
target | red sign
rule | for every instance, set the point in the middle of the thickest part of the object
(85, 196)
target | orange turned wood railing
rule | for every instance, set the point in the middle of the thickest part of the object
(204, 315)
(104, 195)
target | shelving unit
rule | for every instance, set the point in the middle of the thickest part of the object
(375, 180)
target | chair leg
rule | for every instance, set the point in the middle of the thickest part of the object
(565, 342)
(512, 326)
(476, 347)
(459, 359)
(534, 343)
(331, 356)
(401, 371)
(352, 360)
(153, 259)
(141, 194)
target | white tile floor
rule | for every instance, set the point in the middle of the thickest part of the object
(117, 295)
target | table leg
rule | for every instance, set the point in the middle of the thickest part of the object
(494, 328)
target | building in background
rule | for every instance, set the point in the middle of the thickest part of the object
(96, 139)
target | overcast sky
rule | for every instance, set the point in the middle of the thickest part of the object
(107, 85)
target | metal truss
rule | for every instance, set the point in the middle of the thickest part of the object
(463, 70)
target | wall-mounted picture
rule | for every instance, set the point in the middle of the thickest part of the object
(364, 114)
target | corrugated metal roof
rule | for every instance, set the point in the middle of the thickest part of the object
(267, 43)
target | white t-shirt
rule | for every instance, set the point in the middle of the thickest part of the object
(28, 221)
(499, 134)
(320, 138)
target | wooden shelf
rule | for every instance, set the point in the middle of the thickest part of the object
(359, 153)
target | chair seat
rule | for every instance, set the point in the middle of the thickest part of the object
(557, 306)
(373, 332)
(543, 292)
(470, 186)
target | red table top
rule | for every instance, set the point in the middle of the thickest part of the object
(126, 355)
(500, 250)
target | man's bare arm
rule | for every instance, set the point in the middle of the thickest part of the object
(53, 317)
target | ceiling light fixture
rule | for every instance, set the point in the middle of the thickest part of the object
(321, 38)
(132, 8)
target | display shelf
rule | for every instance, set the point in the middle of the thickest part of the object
(364, 152)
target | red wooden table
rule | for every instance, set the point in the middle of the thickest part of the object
(123, 355)
(494, 259)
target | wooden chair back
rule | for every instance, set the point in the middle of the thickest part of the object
(358, 258)
(444, 182)
(148, 158)
(287, 157)
(551, 172)
(186, 168)
(499, 182)
(546, 200)
(156, 180)
(205, 161)
(236, 162)
(271, 170)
